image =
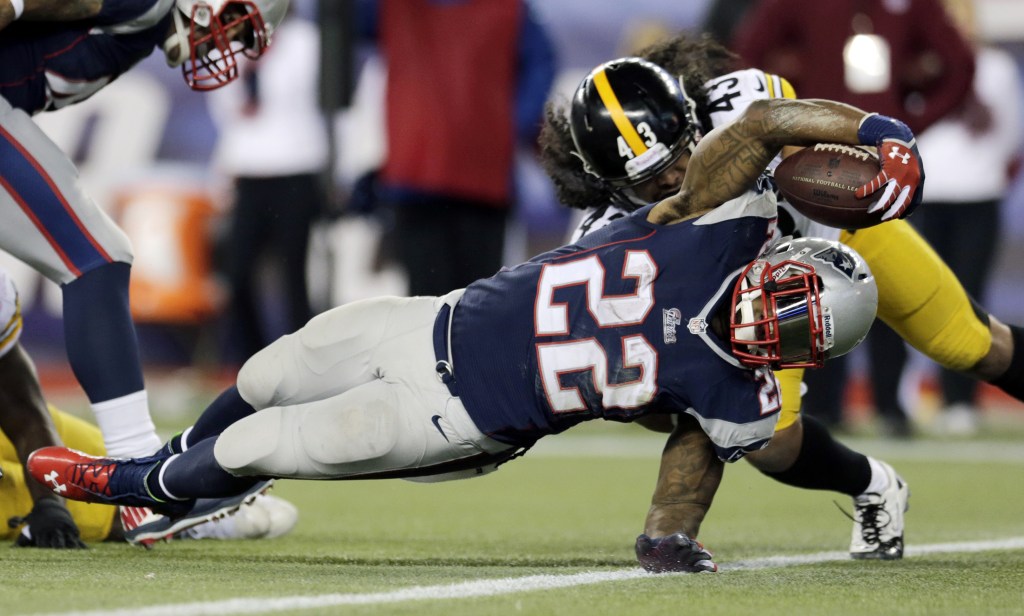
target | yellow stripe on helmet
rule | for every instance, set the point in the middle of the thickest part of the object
(787, 89)
(611, 102)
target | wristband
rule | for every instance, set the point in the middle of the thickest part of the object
(875, 128)
(19, 8)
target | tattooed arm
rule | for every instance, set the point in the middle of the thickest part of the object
(687, 481)
(47, 10)
(728, 159)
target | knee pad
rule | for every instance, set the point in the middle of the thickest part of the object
(260, 382)
(311, 443)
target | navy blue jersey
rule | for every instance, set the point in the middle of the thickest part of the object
(617, 326)
(49, 65)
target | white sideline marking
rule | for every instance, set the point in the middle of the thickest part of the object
(501, 586)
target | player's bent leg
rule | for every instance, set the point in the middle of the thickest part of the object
(401, 429)
(309, 441)
(329, 355)
(920, 297)
(781, 453)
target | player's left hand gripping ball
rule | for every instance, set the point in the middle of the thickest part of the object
(901, 174)
(675, 552)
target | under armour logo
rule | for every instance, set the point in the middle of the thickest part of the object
(895, 153)
(51, 478)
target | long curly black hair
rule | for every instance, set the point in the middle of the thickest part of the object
(696, 58)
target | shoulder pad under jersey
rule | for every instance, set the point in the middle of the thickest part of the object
(730, 94)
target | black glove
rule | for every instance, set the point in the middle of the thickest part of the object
(673, 553)
(49, 526)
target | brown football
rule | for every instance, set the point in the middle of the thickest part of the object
(820, 182)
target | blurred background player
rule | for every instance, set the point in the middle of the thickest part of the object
(695, 61)
(36, 517)
(48, 221)
(973, 154)
(466, 82)
(272, 143)
(902, 58)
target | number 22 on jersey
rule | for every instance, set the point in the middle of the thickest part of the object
(551, 318)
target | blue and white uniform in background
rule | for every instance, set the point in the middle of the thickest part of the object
(48, 221)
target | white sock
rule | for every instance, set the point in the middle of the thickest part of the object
(879, 478)
(127, 428)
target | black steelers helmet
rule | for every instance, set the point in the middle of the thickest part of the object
(630, 120)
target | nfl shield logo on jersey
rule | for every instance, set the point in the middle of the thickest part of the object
(697, 325)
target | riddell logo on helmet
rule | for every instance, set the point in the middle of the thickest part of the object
(826, 323)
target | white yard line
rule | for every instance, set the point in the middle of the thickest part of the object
(503, 586)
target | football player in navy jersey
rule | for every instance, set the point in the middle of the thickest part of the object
(919, 297)
(671, 310)
(54, 54)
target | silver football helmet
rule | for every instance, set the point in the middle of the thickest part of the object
(806, 301)
(208, 34)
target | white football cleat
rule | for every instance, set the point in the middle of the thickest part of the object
(878, 520)
(265, 517)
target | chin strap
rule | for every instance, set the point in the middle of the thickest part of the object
(179, 39)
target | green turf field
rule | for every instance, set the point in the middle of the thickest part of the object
(552, 533)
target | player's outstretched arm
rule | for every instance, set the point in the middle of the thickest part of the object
(47, 10)
(687, 481)
(729, 159)
(25, 420)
